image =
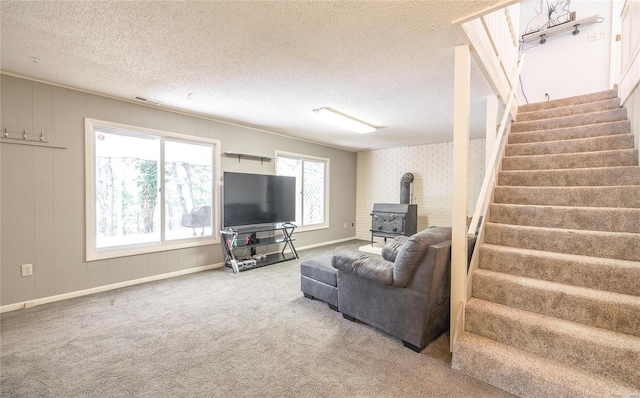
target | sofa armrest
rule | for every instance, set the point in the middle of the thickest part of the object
(368, 267)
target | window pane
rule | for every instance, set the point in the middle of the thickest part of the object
(313, 192)
(188, 190)
(288, 167)
(292, 167)
(126, 189)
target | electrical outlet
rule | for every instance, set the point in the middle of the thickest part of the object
(593, 36)
(345, 225)
(27, 269)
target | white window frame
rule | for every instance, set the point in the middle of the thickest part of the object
(299, 198)
(93, 254)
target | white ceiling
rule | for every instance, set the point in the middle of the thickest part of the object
(260, 64)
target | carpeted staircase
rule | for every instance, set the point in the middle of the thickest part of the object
(555, 310)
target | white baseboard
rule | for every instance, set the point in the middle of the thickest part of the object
(325, 243)
(100, 289)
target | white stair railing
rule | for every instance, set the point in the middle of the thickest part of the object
(491, 171)
(491, 37)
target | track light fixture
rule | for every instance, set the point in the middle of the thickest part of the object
(336, 118)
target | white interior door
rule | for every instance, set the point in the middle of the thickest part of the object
(629, 48)
(616, 44)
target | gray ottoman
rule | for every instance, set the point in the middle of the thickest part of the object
(318, 280)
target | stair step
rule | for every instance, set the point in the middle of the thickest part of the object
(595, 350)
(599, 176)
(578, 109)
(594, 144)
(621, 157)
(528, 375)
(571, 133)
(620, 245)
(612, 311)
(610, 219)
(607, 274)
(611, 115)
(626, 196)
(555, 307)
(562, 102)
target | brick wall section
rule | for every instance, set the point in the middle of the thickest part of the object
(379, 173)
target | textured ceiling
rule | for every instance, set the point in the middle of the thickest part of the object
(260, 64)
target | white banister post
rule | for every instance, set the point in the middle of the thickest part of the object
(492, 129)
(461, 110)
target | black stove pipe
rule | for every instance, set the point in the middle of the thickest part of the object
(405, 188)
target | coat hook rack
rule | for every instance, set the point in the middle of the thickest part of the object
(37, 138)
(24, 135)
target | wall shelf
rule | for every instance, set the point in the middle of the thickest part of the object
(544, 34)
(241, 155)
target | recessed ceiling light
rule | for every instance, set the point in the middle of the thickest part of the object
(336, 118)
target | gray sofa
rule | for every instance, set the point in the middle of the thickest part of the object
(406, 292)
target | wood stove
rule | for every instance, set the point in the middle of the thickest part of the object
(389, 220)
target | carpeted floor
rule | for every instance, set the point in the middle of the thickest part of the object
(216, 334)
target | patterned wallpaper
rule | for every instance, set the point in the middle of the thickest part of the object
(379, 173)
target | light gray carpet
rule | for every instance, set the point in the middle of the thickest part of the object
(216, 334)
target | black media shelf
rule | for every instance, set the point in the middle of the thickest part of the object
(271, 259)
(264, 242)
(263, 228)
(244, 238)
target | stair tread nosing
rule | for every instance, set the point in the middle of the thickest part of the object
(607, 219)
(612, 311)
(574, 145)
(613, 275)
(556, 133)
(618, 245)
(592, 176)
(526, 374)
(574, 100)
(569, 121)
(593, 349)
(627, 196)
(571, 109)
(580, 160)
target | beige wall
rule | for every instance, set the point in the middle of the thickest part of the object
(379, 174)
(42, 189)
(566, 65)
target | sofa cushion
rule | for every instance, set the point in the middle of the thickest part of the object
(365, 266)
(411, 252)
(319, 269)
(390, 250)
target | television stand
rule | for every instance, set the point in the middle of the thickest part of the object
(236, 241)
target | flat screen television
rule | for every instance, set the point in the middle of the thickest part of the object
(254, 199)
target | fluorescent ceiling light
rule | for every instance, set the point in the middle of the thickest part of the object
(338, 119)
